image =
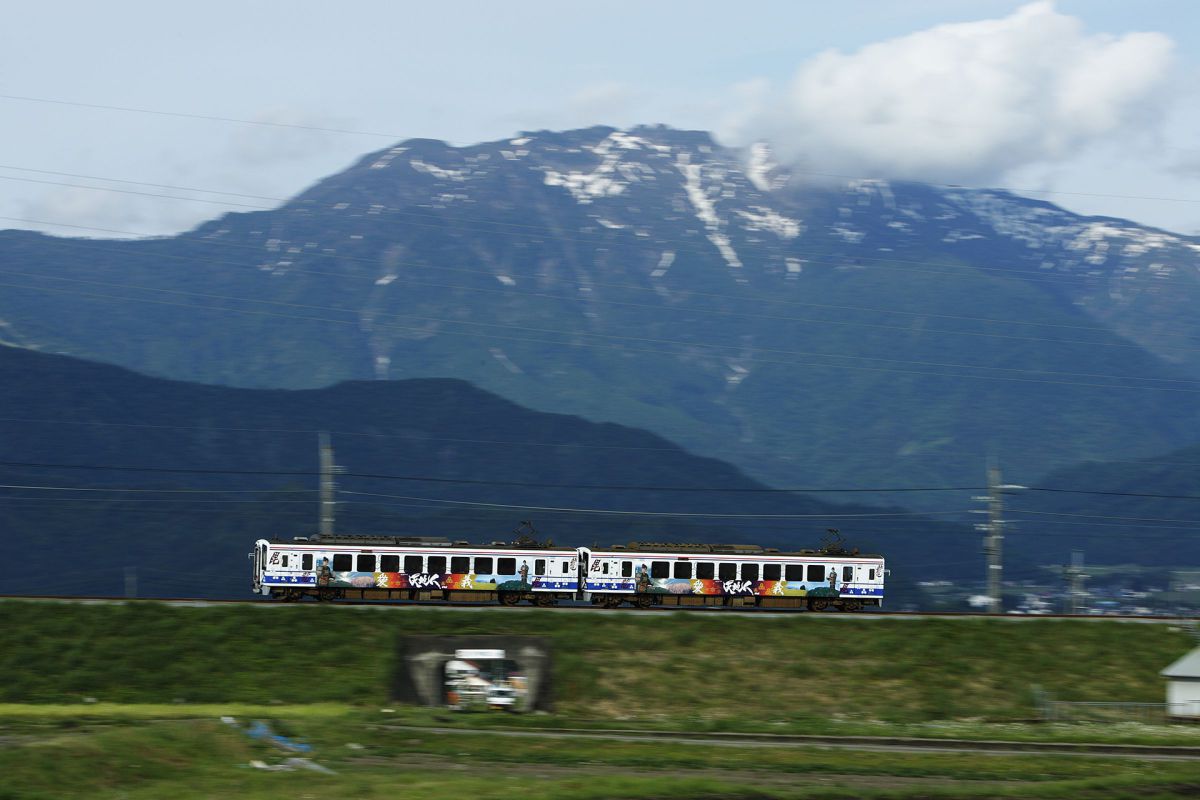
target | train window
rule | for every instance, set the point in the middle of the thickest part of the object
(506, 566)
(727, 571)
(772, 572)
(847, 573)
(566, 566)
(539, 566)
(366, 563)
(660, 569)
(705, 570)
(437, 564)
(414, 565)
(626, 569)
(342, 562)
(604, 568)
(460, 565)
(283, 561)
(794, 572)
(683, 569)
(816, 572)
(870, 574)
(389, 563)
(749, 572)
(483, 565)
(306, 561)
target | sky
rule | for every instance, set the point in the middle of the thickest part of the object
(147, 118)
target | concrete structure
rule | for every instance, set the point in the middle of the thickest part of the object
(1183, 687)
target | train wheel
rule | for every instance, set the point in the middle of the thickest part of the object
(612, 601)
(643, 601)
(852, 605)
(509, 598)
(545, 600)
(819, 604)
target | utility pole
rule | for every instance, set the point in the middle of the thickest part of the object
(995, 539)
(993, 542)
(325, 528)
(1076, 577)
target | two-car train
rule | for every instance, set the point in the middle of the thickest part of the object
(641, 574)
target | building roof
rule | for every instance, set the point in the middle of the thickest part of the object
(1186, 667)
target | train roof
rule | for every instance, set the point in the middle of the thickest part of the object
(377, 540)
(732, 549)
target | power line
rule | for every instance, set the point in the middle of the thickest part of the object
(399, 137)
(467, 481)
(543, 485)
(129, 109)
(605, 511)
(658, 308)
(679, 342)
(601, 346)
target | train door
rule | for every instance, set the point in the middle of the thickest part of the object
(581, 562)
(259, 557)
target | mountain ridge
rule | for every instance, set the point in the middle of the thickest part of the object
(858, 333)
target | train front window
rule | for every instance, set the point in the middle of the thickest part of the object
(342, 562)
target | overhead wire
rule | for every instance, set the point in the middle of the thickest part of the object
(595, 345)
(613, 337)
(400, 137)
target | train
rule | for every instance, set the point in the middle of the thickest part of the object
(638, 574)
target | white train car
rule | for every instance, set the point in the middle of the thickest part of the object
(641, 574)
(397, 568)
(647, 574)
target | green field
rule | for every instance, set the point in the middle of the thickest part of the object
(124, 700)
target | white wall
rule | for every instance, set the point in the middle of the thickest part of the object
(1183, 698)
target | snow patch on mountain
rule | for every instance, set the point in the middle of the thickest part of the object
(438, 172)
(761, 218)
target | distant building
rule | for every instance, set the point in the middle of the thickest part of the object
(1183, 687)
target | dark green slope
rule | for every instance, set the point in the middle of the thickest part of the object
(866, 336)
(249, 460)
(1135, 512)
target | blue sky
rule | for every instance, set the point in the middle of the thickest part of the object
(1092, 100)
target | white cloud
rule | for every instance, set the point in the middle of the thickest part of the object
(962, 102)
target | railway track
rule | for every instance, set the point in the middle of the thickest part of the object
(580, 607)
(870, 743)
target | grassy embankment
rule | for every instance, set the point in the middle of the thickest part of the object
(323, 674)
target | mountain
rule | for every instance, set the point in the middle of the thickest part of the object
(102, 469)
(813, 333)
(1143, 511)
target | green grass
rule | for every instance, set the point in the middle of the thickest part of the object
(706, 670)
(119, 757)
